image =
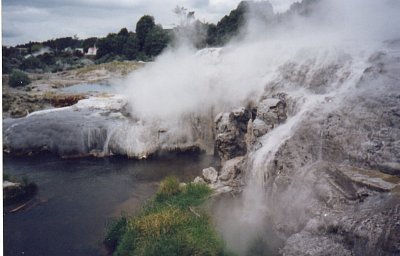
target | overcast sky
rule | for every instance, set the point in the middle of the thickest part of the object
(40, 20)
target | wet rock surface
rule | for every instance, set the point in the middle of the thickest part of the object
(333, 185)
(231, 170)
(347, 155)
(231, 129)
(100, 126)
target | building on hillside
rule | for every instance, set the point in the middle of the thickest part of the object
(92, 51)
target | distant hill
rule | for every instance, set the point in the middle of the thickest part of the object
(147, 42)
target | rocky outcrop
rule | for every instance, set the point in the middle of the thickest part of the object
(231, 129)
(231, 170)
(228, 179)
(210, 175)
(270, 113)
(332, 185)
(102, 126)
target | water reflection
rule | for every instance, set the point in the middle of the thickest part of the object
(78, 196)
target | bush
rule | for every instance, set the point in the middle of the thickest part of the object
(32, 63)
(18, 78)
(173, 223)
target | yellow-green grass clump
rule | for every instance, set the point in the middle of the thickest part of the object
(174, 222)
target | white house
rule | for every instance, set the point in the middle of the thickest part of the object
(92, 50)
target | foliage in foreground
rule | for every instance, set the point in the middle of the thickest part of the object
(173, 223)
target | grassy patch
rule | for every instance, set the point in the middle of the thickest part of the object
(174, 222)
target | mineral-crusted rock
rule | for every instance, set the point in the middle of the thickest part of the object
(270, 113)
(231, 169)
(272, 110)
(332, 187)
(102, 126)
(219, 188)
(199, 180)
(210, 175)
(260, 127)
(231, 129)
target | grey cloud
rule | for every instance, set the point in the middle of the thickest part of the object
(199, 3)
(10, 33)
(116, 4)
(38, 20)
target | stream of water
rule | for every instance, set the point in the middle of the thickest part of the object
(78, 196)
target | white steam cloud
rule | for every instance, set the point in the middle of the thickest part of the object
(337, 33)
(183, 80)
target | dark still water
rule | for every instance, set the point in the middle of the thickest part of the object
(77, 197)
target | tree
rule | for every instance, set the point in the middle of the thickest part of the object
(143, 27)
(31, 63)
(123, 32)
(185, 17)
(131, 48)
(190, 30)
(211, 34)
(156, 40)
(47, 58)
(60, 44)
(36, 47)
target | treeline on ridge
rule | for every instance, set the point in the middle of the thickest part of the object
(147, 42)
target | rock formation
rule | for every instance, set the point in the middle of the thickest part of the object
(231, 128)
(332, 185)
(102, 126)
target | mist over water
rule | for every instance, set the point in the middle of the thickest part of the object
(317, 60)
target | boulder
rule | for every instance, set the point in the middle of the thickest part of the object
(272, 111)
(231, 129)
(199, 180)
(210, 175)
(231, 169)
(260, 127)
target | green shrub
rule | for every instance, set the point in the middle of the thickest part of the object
(18, 78)
(173, 223)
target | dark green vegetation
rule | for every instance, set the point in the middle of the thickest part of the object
(174, 222)
(21, 191)
(147, 42)
(18, 78)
